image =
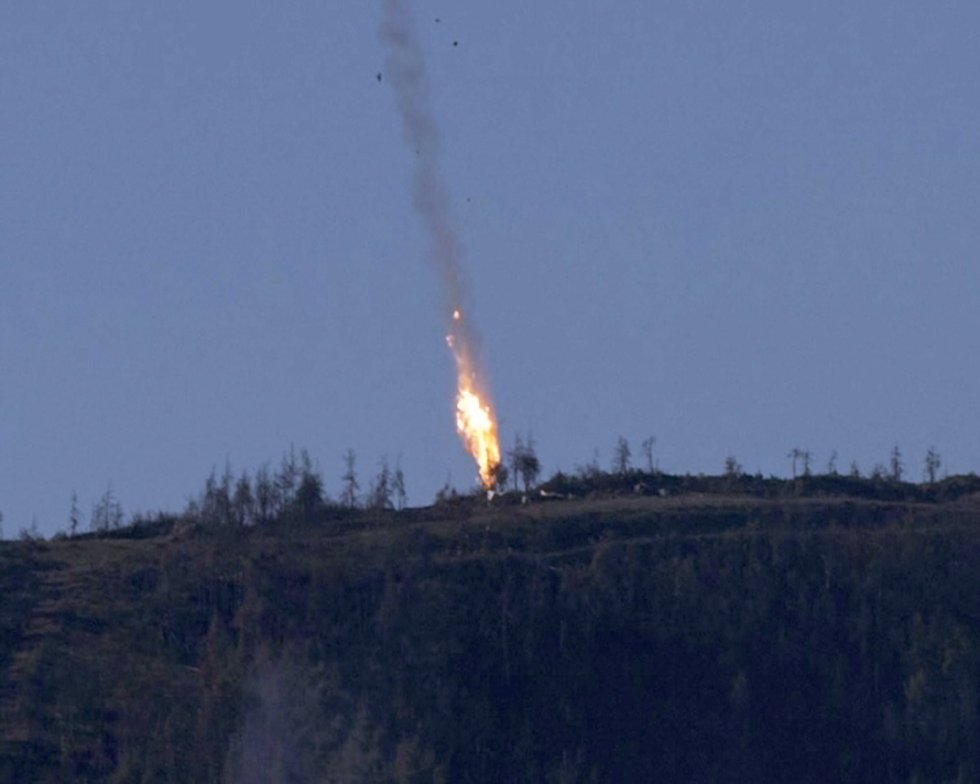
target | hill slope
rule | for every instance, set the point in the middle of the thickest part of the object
(689, 638)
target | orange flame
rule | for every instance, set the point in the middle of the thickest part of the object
(475, 420)
(478, 428)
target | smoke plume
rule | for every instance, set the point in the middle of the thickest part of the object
(406, 72)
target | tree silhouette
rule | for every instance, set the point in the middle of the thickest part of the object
(514, 456)
(381, 487)
(621, 457)
(348, 494)
(524, 461)
(107, 515)
(287, 479)
(265, 495)
(243, 502)
(647, 447)
(398, 485)
(733, 469)
(933, 464)
(794, 455)
(500, 475)
(895, 463)
(74, 516)
(309, 493)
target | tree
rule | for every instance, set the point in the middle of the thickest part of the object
(855, 472)
(215, 504)
(832, 464)
(381, 489)
(733, 469)
(107, 515)
(265, 495)
(621, 457)
(647, 447)
(933, 464)
(243, 501)
(348, 495)
(895, 464)
(514, 456)
(74, 516)
(591, 470)
(500, 475)
(1, 525)
(530, 468)
(398, 485)
(309, 494)
(524, 461)
(447, 493)
(806, 457)
(287, 480)
(309, 497)
(794, 455)
(31, 534)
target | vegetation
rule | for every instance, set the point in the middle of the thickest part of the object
(624, 626)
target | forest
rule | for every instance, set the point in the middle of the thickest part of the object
(624, 625)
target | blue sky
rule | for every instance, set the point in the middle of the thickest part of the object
(739, 227)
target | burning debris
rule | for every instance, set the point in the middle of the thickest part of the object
(475, 419)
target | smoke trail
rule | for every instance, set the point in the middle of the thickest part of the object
(407, 74)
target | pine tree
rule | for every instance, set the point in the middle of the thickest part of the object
(74, 516)
(348, 495)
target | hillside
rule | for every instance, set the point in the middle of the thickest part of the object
(729, 633)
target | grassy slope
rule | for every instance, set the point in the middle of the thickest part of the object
(694, 637)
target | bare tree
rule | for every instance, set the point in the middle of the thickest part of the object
(287, 479)
(647, 447)
(74, 516)
(107, 515)
(621, 457)
(592, 469)
(32, 534)
(215, 503)
(243, 502)
(895, 463)
(398, 485)
(348, 495)
(855, 472)
(530, 468)
(524, 461)
(733, 469)
(806, 457)
(514, 456)
(832, 464)
(933, 463)
(381, 488)
(794, 455)
(447, 493)
(265, 495)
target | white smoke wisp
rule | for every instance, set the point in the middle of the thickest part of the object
(406, 72)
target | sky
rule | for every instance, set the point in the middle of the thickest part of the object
(738, 227)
